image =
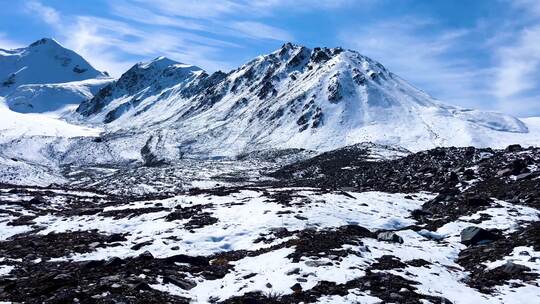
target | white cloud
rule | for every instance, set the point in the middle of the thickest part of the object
(46, 13)
(427, 59)
(260, 30)
(114, 45)
(206, 9)
(530, 7)
(517, 60)
(306, 4)
(106, 43)
(519, 64)
(199, 9)
(130, 11)
(224, 18)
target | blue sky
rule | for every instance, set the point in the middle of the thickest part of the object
(482, 54)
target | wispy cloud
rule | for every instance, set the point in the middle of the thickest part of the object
(137, 13)
(259, 30)
(205, 9)
(497, 70)
(103, 40)
(197, 9)
(112, 44)
(46, 13)
(517, 60)
(195, 32)
(519, 64)
(430, 60)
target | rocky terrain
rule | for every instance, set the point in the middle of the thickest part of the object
(360, 224)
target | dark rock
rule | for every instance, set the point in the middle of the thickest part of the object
(142, 286)
(182, 258)
(37, 200)
(147, 255)
(473, 235)
(63, 277)
(92, 264)
(478, 201)
(514, 148)
(141, 245)
(296, 288)
(512, 268)
(519, 166)
(182, 283)
(389, 236)
(469, 174)
(113, 262)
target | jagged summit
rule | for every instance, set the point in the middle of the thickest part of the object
(50, 42)
(143, 80)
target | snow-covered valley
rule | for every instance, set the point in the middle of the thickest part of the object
(271, 238)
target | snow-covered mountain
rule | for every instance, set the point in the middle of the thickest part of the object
(45, 76)
(143, 82)
(295, 97)
(316, 99)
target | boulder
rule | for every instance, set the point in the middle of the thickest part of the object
(296, 288)
(519, 166)
(182, 283)
(389, 236)
(113, 262)
(473, 235)
(478, 200)
(514, 148)
(511, 267)
(147, 255)
(92, 264)
(37, 200)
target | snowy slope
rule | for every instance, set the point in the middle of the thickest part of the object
(138, 88)
(44, 61)
(46, 77)
(31, 134)
(40, 98)
(295, 97)
(15, 125)
(395, 237)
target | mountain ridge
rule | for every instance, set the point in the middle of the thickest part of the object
(316, 99)
(296, 97)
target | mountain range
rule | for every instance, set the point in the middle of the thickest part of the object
(158, 111)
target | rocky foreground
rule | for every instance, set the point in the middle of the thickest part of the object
(449, 225)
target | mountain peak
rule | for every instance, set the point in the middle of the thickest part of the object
(43, 61)
(290, 46)
(140, 81)
(158, 62)
(45, 41)
(162, 63)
